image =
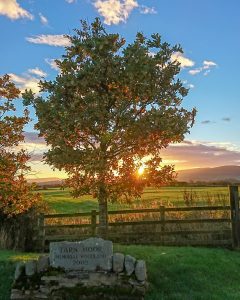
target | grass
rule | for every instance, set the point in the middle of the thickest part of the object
(8, 260)
(184, 273)
(189, 273)
(62, 202)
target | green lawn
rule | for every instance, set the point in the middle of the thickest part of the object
(8, 260)
(174, 273)
(62, 202)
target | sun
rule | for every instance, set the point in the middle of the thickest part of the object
(141, 170)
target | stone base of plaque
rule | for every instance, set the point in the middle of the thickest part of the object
(124, 279)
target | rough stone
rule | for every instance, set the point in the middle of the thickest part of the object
(20, 267)
(50, 278)
(89, 255)
(41, 296)
(16, 295)
(118, 282)
(129, 264)
(141, 270)
(42, 263)
(98, 279)
(118, 262)
(30, 267)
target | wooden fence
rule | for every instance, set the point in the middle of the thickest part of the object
(201, 225)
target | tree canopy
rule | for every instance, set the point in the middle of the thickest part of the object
(15, 193)
(111, 109)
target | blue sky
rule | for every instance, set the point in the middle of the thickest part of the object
(32, 36)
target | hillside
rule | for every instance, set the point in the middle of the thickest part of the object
(46, 181)
(223, 173)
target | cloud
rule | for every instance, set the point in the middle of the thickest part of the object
(206, 122)
(207, 64)
(206, 67)
(195, 71)
(58, 40)
(38, 72)
(28, 80)
(188, 154)
(12, 10)
(115, 11)
(195, 154)
(70, 1)
(33, 138)
(35, 145)
(43, 19)
(147, 10)
(52, 63)
(227, 119)
(184, 61)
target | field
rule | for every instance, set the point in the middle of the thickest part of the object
(174, 273)
(61, 201)
(184, 273)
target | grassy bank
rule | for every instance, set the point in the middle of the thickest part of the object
(62, 202)
(174, 273)
(8, 260)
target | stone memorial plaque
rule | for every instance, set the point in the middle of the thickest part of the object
(89, 255)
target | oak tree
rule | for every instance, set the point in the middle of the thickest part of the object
(111, 109)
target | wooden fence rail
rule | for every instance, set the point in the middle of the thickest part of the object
(55, 227)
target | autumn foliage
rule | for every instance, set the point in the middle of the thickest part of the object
(16, 195)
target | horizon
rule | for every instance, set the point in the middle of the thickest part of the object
(207, 31)
(31, 179)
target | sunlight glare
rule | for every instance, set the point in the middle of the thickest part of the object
(141, 170)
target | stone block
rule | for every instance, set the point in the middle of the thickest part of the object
(17, 295)
(42, 263)
(118, 262)
(141, 270)
(98, 279)
(20, 268)
(89, 255)
(129, 264)
(30, 267)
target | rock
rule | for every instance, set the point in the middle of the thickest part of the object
(39, 296)
(118, 262)
(17, 295)
(88, 270)
(30, 267)
(20, 267)
(42, 263)
(141, 270)
(129, 264)
(102, 279)
(93, 254)
(50, 278)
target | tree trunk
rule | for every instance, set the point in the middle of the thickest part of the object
(103, 211)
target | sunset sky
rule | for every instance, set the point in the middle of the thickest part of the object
(32, 36)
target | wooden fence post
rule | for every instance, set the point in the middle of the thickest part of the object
(41, 231)
(162, 218)
(94, 222)
(235, 220)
